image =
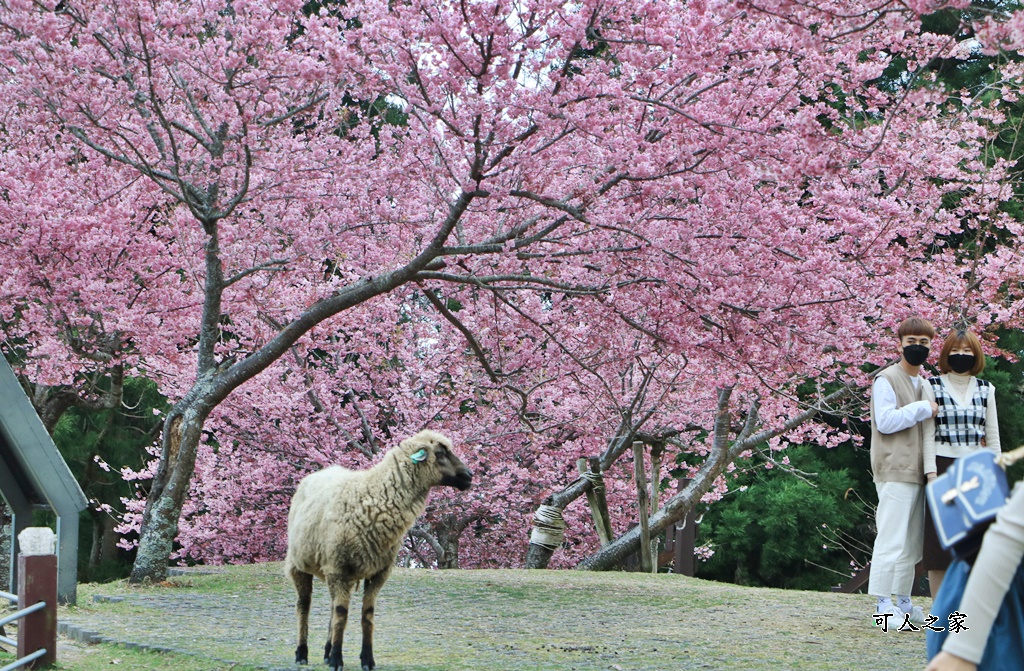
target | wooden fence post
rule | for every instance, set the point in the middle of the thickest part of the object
(602, 498)
(37, 581)
(657, 450)
(596, 497)
(646, 563)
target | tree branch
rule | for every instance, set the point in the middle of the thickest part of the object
(478, 351)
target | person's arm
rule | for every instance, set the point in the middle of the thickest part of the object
(992, 423)
(889, 418)
(947, 662)
(993, 571)
(928, 427)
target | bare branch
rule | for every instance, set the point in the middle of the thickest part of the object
(313, 101)
(420, 531)
(274, 264)
(478, 351)
(573, 212)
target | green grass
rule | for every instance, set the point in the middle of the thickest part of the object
(105, 657)
(493, 619)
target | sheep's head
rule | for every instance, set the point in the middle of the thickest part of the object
(431, 450)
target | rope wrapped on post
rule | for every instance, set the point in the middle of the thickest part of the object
(596, 480)
(548, 527)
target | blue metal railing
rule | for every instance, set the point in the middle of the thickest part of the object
(28, 659)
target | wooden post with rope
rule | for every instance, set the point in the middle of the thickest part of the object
(602, 499)
(657, 450)
(591, 470)
(647, 565)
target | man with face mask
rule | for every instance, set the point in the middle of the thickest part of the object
(902, 410)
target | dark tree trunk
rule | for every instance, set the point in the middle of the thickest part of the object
(539, 556)
(167, 496)
(97, 538)
(108, 545)
(722, 454)
(450, 558)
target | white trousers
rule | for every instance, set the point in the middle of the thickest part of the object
(899, 543)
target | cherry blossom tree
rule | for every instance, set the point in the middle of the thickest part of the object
(645, 213)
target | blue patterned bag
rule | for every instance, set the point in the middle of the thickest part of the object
(965, 499)
(1005, 648)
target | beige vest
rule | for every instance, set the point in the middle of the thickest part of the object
(898, 457)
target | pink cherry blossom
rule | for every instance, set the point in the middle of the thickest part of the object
(533, 226)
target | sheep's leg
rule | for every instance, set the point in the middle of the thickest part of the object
(341, 594)
(330, 632)
(370, 590)
(304, 588)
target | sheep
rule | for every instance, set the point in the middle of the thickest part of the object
(345, 526)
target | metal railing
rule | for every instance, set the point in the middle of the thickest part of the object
(28, 659)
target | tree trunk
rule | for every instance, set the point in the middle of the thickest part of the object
(217, 379)
(675, 509)
(722, 454)
(167, 497)
(548, 522)
(108, 545)
(450, 558)
(538, 556)
(97, 539)
(444, 538)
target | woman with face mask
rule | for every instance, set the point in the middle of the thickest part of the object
(966, 422)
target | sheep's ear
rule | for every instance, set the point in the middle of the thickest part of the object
(418, 456)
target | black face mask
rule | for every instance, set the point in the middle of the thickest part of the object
(961, 363)
(915, 354)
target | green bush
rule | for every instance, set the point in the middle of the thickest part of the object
(777, 530)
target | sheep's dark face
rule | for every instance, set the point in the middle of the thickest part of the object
(453, 472)
(433, 450)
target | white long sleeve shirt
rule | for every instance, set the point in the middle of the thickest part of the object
(889, 418)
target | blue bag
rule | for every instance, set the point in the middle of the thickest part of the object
(965, 499)
(1005, 648)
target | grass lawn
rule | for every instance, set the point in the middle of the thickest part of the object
(242, 618)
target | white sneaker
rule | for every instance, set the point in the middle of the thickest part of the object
(916, 615)
(887, 620)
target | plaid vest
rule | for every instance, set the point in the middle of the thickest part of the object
(957, 425)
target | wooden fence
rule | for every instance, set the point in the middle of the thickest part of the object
(37, 612)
